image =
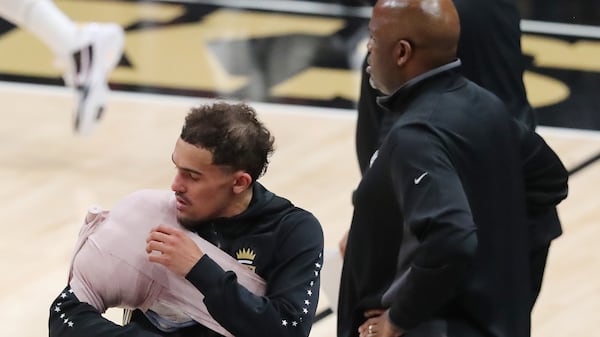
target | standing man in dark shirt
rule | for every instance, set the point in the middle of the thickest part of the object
(490, 51)
(222, 150)
(439, 243)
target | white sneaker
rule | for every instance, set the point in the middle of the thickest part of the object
(87, 71)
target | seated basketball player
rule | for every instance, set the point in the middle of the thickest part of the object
(170, 254)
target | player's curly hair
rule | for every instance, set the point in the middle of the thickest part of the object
(233, 134)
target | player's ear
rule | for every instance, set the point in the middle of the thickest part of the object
(242, 181)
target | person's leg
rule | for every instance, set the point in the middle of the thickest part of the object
(44, 20)
(86, 55)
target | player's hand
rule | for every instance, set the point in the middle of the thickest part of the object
(173, 249)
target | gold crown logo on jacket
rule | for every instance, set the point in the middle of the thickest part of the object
(246, 257)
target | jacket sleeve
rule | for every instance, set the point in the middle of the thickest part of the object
(546, 179)
(71, 318)
(438, 221)
(288, 307)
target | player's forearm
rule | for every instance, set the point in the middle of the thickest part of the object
(71, 318)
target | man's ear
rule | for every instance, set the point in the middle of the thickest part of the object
(242, 182)
(404, 51)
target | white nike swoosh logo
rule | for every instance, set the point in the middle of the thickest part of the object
(418, 180)
(373, 157)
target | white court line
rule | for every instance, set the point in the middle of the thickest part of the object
(564, 29)
(259, 106)
(569, 133)
(143, 97)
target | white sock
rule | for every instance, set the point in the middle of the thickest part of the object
(44, 20)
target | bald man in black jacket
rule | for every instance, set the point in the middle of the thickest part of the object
(439, 244)
(489, 48)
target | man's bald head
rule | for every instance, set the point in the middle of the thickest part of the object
(415, 36)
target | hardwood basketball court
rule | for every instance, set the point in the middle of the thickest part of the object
(49, 176)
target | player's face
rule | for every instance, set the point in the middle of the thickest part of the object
(203, 191)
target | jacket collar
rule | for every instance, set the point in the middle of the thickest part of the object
(264, 204)
(386, 101)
